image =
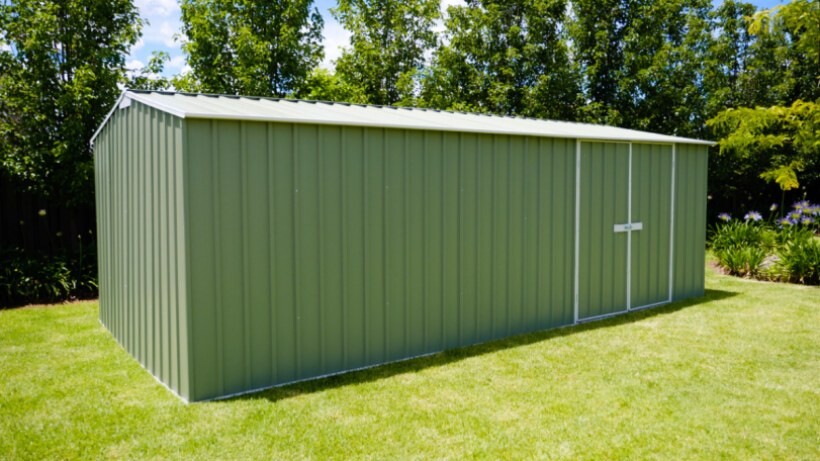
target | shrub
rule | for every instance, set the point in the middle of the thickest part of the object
(742, 247)
(736, 234)
(742, 261)
(799, 261)
(26, 278)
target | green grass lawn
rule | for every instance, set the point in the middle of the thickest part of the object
(734, 375)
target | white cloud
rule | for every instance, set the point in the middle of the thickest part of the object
(446, 3)
(158, 8)
(166, 34)
(133, 67)
(134, 64)
(5, 47)
(336, 37)
(176, 63)
(137, 46)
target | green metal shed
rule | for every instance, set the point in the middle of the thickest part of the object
(249, 242)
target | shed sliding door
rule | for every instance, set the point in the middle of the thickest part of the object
(624, 221)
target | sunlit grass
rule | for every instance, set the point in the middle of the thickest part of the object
(734, 375)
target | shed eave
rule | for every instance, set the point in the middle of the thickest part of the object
(641, 137)
(107, 117)
(126, 93)
(661, 139)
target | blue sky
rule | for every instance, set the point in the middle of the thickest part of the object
(163, 16)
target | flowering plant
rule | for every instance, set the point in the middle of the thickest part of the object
(781, 248)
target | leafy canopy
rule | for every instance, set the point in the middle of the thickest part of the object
(250, 47)
(785, 137)
(60, 63)
(387, 45)
(505, 57)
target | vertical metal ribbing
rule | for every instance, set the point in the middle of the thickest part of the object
(629, 235)
(407, 250)
(365, 172)
(343, 223)
(271, 208)
(320, 205)
(295, 249)
(220, 363)
(460, 246)
(576, 293)
(244, 219)
(672, 224)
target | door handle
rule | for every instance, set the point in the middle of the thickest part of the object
(635, 226)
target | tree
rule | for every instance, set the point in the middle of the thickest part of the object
(641, 62)
(782, 141)
(727, 57)
(788, 138)
(60, 63)
(324, 85)
(796, 26)
(507, 58)
(150, 76)
(250, 47)
(387, 45)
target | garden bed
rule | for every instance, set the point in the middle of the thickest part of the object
(782, 248)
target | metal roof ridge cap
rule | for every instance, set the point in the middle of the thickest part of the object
(625, 132)
(202, 115)
(157, 105)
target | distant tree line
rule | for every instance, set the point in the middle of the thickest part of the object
(683, 67)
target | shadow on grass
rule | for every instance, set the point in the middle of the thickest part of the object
(438, 359)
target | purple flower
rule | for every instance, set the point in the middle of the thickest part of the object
(785, 222)
(806, 220)
(753, 215)
(795, 215)
(725, 217)
(801, 205)
(773, 207)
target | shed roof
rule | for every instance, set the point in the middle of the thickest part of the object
(208, 106)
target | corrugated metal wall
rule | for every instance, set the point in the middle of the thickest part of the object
(239, 255)
(141, 229)
(317, 249)
(604, 202)
(651, 206)
(691, 165)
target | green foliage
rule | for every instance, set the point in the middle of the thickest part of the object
(741, 247)
(726, 59)
(323, 85)
(248, 47)
(765, 114)
(787, 137)
(60, 63)
(642, 62)
(26, 279)
(798, 23)
(799, 261)
(739, 234)
(387, 45)
(742, 261)
(150, 77)
(788, 247)
(503, 57)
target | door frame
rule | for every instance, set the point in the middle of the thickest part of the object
(576, 274)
